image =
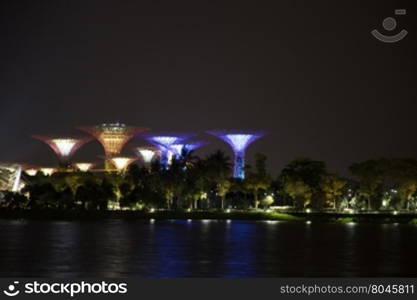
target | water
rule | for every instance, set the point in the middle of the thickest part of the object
(118, 248)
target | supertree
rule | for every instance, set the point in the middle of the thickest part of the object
(180, 148)
(239, 141)
(84, 166)
(64, 147)
(112, 137)
(47, 171)
(163, 142)
(122, 162)
(30, 169)
(147, 154)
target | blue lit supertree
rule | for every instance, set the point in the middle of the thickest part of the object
(239, 141)
(164, 142)
(180, 148)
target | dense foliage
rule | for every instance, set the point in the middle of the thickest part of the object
(192, 182)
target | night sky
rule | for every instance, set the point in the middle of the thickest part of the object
(307, 71)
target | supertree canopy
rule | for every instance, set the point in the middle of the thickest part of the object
(180, 148)
(122, 162)
(64, 147)
(164, 142)
(84, 166)
(147, 154)
(112, 137)
(48, 171)
(239, 141)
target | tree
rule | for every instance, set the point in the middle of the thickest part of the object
(267, 201)
(41, 196)
(332, 187)
(216, 173)
(301, 180)
(14, 201)
(370, 175)
(259, 180)
(300, 192)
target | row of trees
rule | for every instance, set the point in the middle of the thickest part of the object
(205, 183)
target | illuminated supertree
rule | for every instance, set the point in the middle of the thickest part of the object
(147, 154)
(64, 148)
(84, 166)
(163, 142)
(239, 141)
(112, 137)
(179, 149)
(122, 162)
(30, 169)
(48, 171)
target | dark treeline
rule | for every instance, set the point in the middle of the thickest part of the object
(204, 183)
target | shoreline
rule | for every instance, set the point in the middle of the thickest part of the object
(319, 217)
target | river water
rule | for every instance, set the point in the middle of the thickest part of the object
(181, 248)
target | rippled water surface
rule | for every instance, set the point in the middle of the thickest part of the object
(117, 248)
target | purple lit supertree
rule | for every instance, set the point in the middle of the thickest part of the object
(164, 142)
(239, 141)
(180, 148)
(64, 147)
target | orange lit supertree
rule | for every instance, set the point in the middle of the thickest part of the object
(113, 137)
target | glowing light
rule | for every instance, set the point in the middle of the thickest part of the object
(147, 154)
(272, 222)
(308, 222)
(31, 172)
(165, 140)
(84, 167)
(395, 213)
(122, 163)
(239, 141)
(308, 210)
(228, 211)
(48, 171)
(177, 148)
(65, 146)
(152, 210)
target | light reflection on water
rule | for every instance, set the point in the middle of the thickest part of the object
(206, 248)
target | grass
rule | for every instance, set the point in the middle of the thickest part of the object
(345, 220)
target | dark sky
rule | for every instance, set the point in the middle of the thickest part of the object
(308, 71)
